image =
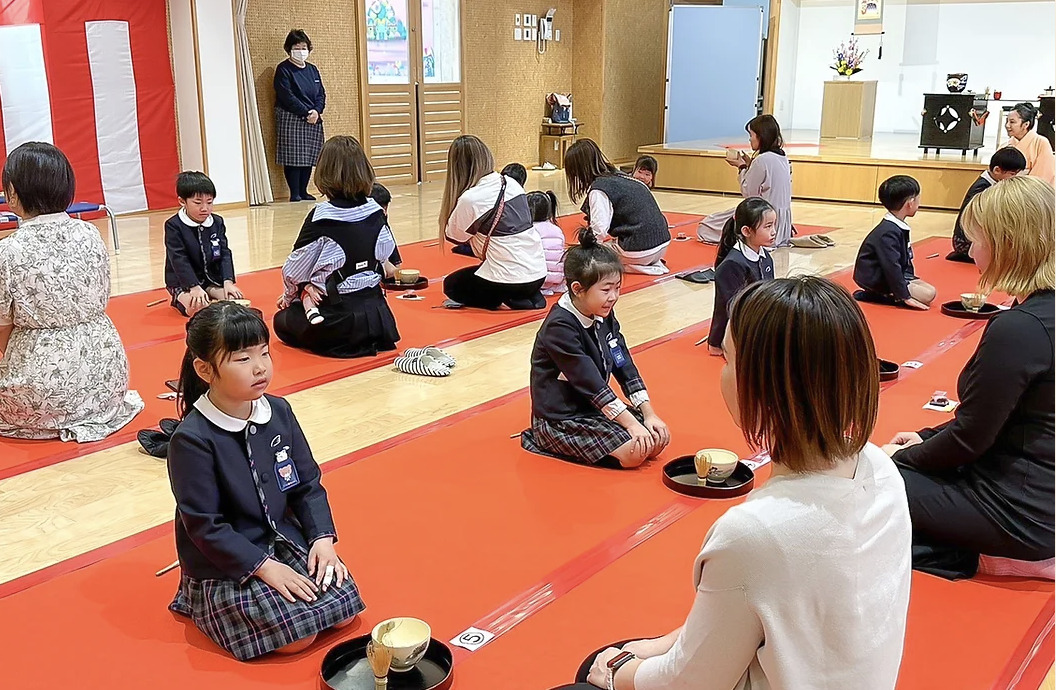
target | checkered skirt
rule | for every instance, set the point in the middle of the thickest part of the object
(298, 143)
(252, 619)
(588, 439)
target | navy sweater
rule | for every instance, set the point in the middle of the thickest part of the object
(733, 274)
(885, 262)
(197, 255)
(299, 90)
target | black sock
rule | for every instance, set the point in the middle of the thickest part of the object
(293, 181)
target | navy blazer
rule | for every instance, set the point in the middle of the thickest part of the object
(734, 273)
(222, 529)
(197, 255)
(885, 261)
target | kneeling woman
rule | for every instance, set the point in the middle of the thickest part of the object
(489, 211)
(338, 262)
(575, 414)
(982, 484)
(254, 533)
(806, 583)
(618, 206)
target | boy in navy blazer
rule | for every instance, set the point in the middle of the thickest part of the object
(884, 267)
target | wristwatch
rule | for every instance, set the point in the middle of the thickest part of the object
(614, 665)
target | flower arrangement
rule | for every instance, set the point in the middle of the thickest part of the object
(848, 59)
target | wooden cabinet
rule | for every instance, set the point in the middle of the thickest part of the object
(847, 110)
(554, 140)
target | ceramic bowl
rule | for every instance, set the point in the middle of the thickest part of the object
(408, 638)
(718, 463)
(407, 276)
(973, 301)
(956, 82)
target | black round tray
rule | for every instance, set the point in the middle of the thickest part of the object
(681, 475)
(957, 310)
(345, 667)
(392, 284)
(888, 370)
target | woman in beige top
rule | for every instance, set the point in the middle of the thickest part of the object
(1041, 162)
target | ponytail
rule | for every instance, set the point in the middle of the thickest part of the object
(553, 205)
(750, 213)
(191, 386)
(590, 261)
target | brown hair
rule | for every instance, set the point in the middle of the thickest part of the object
(808, 383)
(468, 160)
(1015, 218)
(769, 133)
(343, 171)
(584, 163)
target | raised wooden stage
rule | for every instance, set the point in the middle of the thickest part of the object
(829, 169)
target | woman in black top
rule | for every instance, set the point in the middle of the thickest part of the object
(983, 483)
(618, 206)
(299, 103)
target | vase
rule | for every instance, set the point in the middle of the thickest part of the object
(843, 77)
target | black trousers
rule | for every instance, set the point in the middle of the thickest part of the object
(951, 530)
(297, 179)
(466, 287)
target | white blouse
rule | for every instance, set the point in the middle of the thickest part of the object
(804, 585)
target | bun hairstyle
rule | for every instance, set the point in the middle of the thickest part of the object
(749, 213)
(543, 206)
(1027, 112)
(212, 335)
(590, 261)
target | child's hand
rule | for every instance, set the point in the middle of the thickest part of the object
(282, 302)
(324, 564)
(231, 290)
(644, 443)
(660, 433)
(199, 298)
(286, 581)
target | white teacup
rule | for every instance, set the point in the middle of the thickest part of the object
(719, 463)
(407, 638)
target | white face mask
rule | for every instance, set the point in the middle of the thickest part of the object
(299, 55)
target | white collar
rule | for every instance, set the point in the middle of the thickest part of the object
(186, 220)
(988, 177)
(260, 414)
(900, 223)
(565, 302)
(47, 218)
(748, 252)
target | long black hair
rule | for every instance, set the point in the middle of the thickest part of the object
(768, 132)
(213, 334)
(590, 261)
(543, 206)
(749, 213)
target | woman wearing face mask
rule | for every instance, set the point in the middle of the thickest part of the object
(1035, 148)
(299, 102)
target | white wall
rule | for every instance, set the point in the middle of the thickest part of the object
(1008, 45)
(787, 57)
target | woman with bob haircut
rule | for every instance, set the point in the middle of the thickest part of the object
(982, 484)
(806, 583)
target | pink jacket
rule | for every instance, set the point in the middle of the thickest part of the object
(554, 248)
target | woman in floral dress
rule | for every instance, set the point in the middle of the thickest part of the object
(63, 372)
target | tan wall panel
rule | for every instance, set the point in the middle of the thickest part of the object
(635, 30)
(939, 187)
(833, 181)
(331, 24)
(697, 173)
(588, 83)
(506, 82)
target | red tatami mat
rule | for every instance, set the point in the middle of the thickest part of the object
(154, 360)
(447, 531)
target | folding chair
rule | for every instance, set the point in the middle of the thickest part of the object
(81, 207)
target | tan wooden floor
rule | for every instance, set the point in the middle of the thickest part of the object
(58, 512)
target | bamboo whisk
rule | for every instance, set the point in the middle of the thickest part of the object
(380, 658)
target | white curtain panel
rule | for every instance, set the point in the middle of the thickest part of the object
(256, 157)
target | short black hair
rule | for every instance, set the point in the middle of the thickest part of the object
(190, 183)
(516, 171)
(41, 176)
(647, 163)
(896, 191)
(1009, 159)
(294, 37)
(380, 194)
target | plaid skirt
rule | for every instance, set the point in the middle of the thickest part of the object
(588, 439)
(297, 142)
(253, 619)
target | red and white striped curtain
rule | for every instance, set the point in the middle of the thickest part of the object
(94, 78)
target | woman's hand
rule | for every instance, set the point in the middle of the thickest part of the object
(313, 117)
(660, 433)
(599, 670)
(906, 439)
(282, 302)
(324, 565)
(286, 581)
(231, 290)
(315, 293)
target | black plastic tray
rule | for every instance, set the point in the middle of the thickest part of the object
(345, 667)
(957, 310)
(681, 475)
(888, 370)
(392, 284)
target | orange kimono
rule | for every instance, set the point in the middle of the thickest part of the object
(1040, 160)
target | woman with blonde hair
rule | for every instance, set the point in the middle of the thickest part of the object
(489, 211)
(982, 484)
(806, 583)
